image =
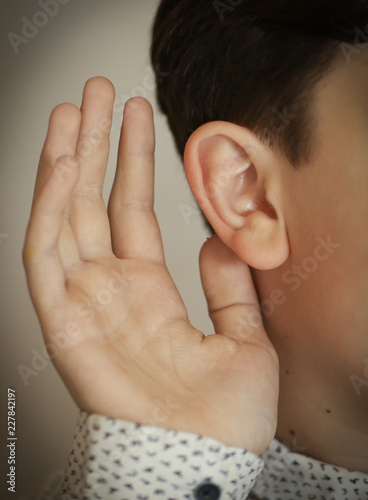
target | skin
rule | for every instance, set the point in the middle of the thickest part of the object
(313, 295)
(138, 352)
(268, 215)
(320, 331)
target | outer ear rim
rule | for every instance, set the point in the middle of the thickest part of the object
(275, 249)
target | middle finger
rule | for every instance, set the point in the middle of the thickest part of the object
(87, 211)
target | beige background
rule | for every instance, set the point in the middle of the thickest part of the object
(85, 38)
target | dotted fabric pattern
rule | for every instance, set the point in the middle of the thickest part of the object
(153, 463)
(122, 460)
(289, 476)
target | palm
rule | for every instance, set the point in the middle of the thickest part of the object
(129, 342)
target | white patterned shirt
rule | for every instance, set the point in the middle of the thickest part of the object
(120, 460)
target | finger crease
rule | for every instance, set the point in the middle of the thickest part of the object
(142, 205)
(88, 191)
(235, 304)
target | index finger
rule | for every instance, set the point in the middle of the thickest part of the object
(61, 140)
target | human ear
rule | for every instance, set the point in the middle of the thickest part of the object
(237, 183)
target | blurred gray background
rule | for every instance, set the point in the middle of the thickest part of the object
(84, 38)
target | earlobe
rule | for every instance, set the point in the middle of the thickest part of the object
(228, 171)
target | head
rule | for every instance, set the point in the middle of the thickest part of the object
(267, 102)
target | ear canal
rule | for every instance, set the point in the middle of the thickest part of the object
(265, 206)
(251, 190)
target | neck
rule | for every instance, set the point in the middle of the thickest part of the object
(322, 416)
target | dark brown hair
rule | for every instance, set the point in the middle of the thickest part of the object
(251, 62)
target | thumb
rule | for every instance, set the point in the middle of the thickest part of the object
(231, 297)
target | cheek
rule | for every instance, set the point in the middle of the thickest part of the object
(317, 301)
(329, 237)
(330, 290)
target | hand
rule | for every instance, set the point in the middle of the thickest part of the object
(104, 296)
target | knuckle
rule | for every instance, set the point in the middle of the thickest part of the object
(141, 205)
(68, 161)
(92, 191)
